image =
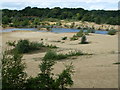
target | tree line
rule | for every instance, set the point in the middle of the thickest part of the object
(34, 15)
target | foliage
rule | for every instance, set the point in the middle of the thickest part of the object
(64, 38)
(65, 79)
(112, 32)
(74, 38)
(11, 43)
(117, 63)
(76, 53)
(25, 46)
(54, 56)
(24, 17)
(13, 75)
(83, 40)
(50, 46)
(80, 33)
(45, 79)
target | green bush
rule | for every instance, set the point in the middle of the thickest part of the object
(54, 56)
(80, 33)
(13, 75)
(92, 31)
(112, 32)
(84, 40)
(74, 38)
(46, 80)
(15, 78)
(64, 38)
(50, 55)
(25, 46)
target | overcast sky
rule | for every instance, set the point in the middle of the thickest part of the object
(86, 4)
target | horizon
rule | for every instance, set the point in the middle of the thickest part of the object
(59, 7)
(85, 4)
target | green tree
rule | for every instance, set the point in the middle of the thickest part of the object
(13, 75)
(45, 79)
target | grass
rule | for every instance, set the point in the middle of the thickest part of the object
(54, 56)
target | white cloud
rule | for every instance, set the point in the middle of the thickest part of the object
(87, 1)
(86, 4)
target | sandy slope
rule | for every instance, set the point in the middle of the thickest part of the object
(96, 71)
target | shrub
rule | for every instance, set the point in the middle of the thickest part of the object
(92, 31)
(45, 80)
(64, 38)
(51, 46)
(86, 33)
(117, 63)
(84, 40)
(35, 45)
(50, 55)
(74, 38)
(25, 46)
(11, 43)
(112, 32)
(13, 75)
(54, 56)
(76, 53)
(80, 33)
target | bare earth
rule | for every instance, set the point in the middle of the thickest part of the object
(96, 71)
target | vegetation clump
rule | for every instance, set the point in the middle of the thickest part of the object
(64, 38)
(54, 56)
(84, 40)
(74, 38)
(14, 76)
(25, 46)
(112, 32)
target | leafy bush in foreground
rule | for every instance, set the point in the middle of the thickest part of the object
(112, 32)
(13, 75)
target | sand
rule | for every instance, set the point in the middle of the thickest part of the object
(96, 71)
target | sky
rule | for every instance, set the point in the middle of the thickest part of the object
(86, 4)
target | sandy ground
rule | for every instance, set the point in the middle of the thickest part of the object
(96, 71)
